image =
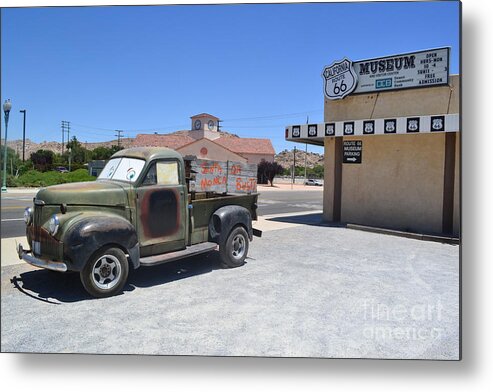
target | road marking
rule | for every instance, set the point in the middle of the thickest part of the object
(17, 198)
(12, 219)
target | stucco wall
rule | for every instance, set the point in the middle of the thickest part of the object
(420, 101)
(399, 185)
(328, 202)
(457, 187)
(214, 151)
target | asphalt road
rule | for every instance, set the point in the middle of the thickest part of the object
(279, 202)
(13, 206)
(270, 202)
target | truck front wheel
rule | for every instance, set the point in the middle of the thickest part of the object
(234, 250)
(105, 273)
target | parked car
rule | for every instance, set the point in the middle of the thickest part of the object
(61, 169)
(313, 182)
(147, 207)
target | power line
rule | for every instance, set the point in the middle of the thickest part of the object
(274, 116)
(133, 130)
(164, 127)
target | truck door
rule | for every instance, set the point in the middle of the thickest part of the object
(161, 208)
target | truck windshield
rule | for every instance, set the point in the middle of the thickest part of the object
(123, 169)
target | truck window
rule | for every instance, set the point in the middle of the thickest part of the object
(162, 173)
(122, 169)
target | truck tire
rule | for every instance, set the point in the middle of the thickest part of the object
(105, 273)
(233, 251)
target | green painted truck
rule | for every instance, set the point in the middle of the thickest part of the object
(148, 206)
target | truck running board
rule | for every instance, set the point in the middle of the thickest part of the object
(193, 250)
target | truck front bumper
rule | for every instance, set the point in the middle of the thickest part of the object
(37, 262)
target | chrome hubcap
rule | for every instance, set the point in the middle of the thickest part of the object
(238, 246)
(106, 272)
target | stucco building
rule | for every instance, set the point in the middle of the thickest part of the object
(205, 141)
(392, 158)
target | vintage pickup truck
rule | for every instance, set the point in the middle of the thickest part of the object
(148, 206)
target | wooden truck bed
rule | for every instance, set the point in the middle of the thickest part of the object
(214, 184)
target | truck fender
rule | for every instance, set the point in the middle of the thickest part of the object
(225, 218)
(90, 234)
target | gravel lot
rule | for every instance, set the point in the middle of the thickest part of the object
(306, 291)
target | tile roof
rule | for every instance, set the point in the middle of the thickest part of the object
(153, 140)
(235, 144)
(246, 145)
(205, 115)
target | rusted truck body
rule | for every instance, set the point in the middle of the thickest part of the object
(147, 207)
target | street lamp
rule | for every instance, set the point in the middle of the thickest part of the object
(6, 110)
(23, 134)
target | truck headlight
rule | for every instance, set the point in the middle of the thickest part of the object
(53, 224)
(28, 215)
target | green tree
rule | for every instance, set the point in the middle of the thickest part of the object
(103, 153)
(318, 171)
(267, 171)
(78, 153)
(42, 159)
(115, 149)
(13, 160)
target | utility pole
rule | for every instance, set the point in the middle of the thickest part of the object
(63, 135)
(119, 135)
(294, 166)
(65, 128)
(306, 149)
(23, 111)
(306, 153)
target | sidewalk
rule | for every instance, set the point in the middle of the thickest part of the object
(288, 187)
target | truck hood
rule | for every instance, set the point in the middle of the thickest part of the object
(98, 193)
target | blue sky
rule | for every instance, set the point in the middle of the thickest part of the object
(145, 69)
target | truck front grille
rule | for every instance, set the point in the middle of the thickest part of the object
(37, 222)
(49, 246)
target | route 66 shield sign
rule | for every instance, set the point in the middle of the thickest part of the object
(340, 79)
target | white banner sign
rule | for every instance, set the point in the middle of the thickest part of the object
(418, 69)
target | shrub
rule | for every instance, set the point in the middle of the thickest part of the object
(79, 175)
(34, 178)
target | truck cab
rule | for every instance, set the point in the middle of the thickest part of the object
(148, 206)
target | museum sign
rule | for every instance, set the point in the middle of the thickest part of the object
(425, 68)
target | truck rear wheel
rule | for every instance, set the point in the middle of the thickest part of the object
(234, 250)
(105, 273)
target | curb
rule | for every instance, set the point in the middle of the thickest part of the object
(415, 236)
